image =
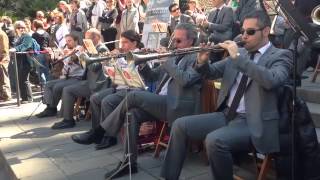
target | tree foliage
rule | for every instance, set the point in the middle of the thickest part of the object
(19, 9)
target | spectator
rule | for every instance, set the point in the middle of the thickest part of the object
(129, 18)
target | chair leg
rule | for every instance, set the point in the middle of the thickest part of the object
(316, 71)
(77, 107)
(265, 167)
(158, 145)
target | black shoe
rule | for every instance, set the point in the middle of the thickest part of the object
(88, 137)
(26, 101)
(121, 170)
(47, 112)
(106, 142)
(64, 124)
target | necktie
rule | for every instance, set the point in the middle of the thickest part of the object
(166, 76)
(216, 16)
(239, 93)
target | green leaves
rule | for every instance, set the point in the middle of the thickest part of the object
(20, 9)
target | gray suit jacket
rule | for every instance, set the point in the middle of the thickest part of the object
(221, 30)
(183, 96)
(95, 76)
(271, 71)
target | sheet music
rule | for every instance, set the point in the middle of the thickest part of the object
(124, 76)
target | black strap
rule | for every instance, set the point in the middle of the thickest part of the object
(239, 93)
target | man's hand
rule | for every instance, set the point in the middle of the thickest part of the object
(205, 23)
(231, 47)
(203, 56)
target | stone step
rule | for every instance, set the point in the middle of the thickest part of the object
(5, 169)
(315, 113)
(309, 91)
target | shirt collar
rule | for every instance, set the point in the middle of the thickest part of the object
(264, 48)
(222, 6)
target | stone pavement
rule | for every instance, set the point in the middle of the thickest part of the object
(36, 152)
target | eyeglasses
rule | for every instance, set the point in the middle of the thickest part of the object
(250, 31)
(177, 41)
(21, 27)
(174, 10)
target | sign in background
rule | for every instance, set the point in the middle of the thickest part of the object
(156, 22)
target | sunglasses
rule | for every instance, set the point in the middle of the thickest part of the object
(174, 10)
(177, 41)
(249, 31)
(21, 27)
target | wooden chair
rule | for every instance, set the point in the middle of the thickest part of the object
(209, 96)
(262, 167)
(162, 140)
(81, 105)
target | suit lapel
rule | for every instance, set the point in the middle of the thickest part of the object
(264, 59)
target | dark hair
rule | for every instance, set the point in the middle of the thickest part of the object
(261, 16)
(192, 32)
(133, 37)
(75, 38)
(172, 5)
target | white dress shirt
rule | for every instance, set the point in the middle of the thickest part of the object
(241, 108)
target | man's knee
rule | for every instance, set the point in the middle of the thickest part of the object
(215, 144)
(57, 89)
(179, 125)
(94, 98)
(107, 102)
(67, 92)
(135, 96)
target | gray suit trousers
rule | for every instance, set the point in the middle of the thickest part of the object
(154, 105)
(95, 105)
(53, 90)
(69, 97)
(221, 138)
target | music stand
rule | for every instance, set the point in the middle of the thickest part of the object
(131, 78)
(301, 28)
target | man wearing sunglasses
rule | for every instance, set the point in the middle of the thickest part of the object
(177, 17)
(247, 111)
(219, 22)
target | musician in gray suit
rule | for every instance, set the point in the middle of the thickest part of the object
(95, 81)
(178, 95)
(72, 73)
(247, 103)
(219, 23)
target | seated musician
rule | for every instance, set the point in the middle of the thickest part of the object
(219, 25)
(72, 73)
(178, 95)
(105, 101)
(94, 81)
(247, 102)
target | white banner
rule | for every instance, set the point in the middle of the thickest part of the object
(156, 22)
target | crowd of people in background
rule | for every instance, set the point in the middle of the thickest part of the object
(111, 18)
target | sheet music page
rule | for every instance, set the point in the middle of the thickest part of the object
(89, 46)
(132, 77)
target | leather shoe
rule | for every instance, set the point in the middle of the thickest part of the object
(26, 101)
(64, 124)
(47, 112)
(86, 138)
(121, 170)
(106, 142)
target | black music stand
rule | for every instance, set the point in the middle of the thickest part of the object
(301, 28)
